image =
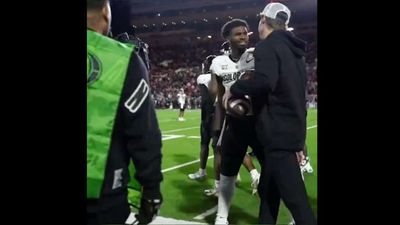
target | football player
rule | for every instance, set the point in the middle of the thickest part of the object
(237, 133)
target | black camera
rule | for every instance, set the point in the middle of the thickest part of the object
(141, 47)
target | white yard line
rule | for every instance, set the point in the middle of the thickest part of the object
(176, 120)
(171, 136)
(206, 213)
(187, 128)
(184, 164)
(308, 128)
(198, 160)
(161, 220)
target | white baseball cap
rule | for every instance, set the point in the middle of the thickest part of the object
(272, 10)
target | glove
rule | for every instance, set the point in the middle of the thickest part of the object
(148, 211)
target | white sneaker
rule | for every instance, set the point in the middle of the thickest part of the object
(197, 176)
(183, 119)
(306, 166)
(221, 221)
(254, 184)
(211, 192)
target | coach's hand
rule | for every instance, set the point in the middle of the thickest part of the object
(225, 99)
(300, 156)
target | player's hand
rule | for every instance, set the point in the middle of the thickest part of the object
(300, 156)
(148, 211)
(247, 75)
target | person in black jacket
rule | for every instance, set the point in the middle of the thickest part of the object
(135, 135)
(280, 80)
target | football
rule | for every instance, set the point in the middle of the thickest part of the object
(238, 107)
(248, 74)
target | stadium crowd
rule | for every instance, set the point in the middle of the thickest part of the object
(177, 66)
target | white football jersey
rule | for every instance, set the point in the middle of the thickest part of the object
(181, 97)
(204, 79)
(231, 71)
(246, 61)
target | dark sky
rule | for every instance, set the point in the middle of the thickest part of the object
(121, 21)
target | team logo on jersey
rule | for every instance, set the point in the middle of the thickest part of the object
(137, 98)
(227, 78)
(95, 68)
(224, 67)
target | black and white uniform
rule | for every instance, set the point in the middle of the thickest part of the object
(207, 109)
(181, 100)
(237, 134)
(207, 128)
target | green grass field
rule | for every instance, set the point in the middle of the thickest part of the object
(184, 198)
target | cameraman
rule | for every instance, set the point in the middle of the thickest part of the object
(121, 126)
(140, 46)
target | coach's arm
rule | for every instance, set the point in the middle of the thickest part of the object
(266, 73)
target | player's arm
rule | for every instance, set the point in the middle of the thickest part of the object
(204, 82)
(143, 136)
(216, 88)
(265, 76)
(213, 86)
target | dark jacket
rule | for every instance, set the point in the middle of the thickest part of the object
(136, 136)
(280, 79)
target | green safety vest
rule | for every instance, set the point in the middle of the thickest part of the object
(107, 65)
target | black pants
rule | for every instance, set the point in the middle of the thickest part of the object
(206, 130)
(238, 135)
(281, 178)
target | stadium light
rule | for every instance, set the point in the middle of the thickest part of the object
(198, 38)
(183, 22)
(159, 14)
(216, 18)
(134, 26)
(209, 36)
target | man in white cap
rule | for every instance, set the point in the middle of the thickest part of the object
(280, 82)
